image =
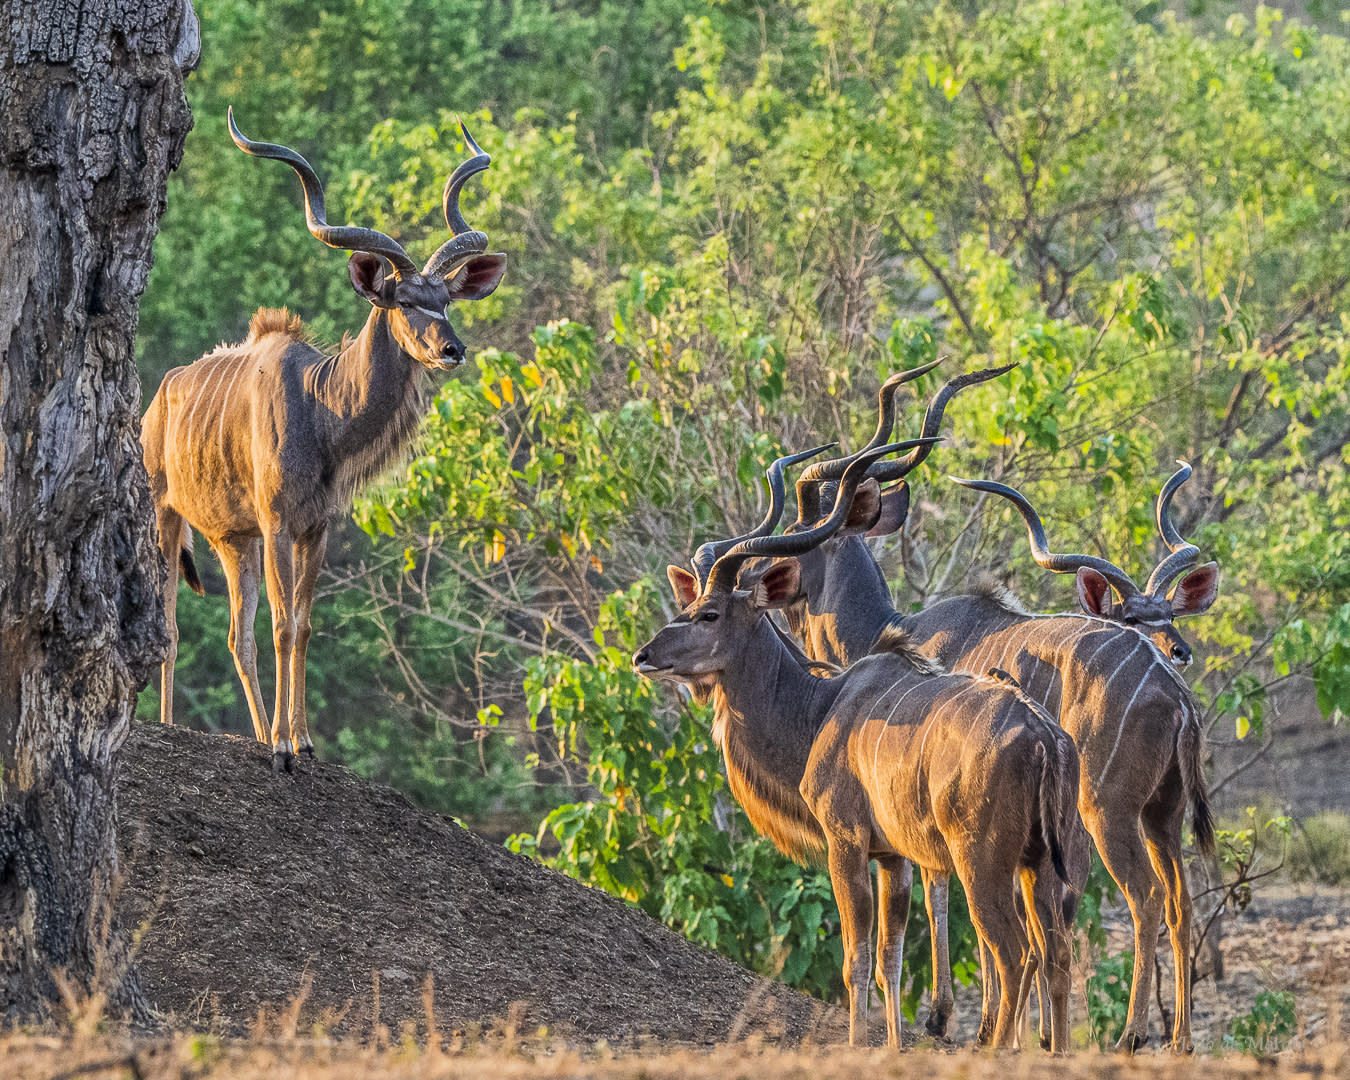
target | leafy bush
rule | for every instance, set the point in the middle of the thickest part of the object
(1108, 997)
(651, 833)
(1267, 1027)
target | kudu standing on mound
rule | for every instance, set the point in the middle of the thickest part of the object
(1129, 713)
(264, 441)
(1152, 609)
(891, 760)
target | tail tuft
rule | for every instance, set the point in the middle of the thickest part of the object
(189, 569)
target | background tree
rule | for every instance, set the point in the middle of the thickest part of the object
(94, 119)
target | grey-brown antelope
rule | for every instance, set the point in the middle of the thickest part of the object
(1152, 609)
(891, 760)
(258, 444)
(1129, 712)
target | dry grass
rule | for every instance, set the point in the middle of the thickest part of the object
(27, 1057)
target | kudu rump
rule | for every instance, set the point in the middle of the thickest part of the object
(1129, 713)
(260, 443)
(891, 761)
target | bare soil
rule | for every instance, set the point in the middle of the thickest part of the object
(335, 898)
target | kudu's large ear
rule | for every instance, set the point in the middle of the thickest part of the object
(683, 584)
(865, 509)
(1194, 593)
(370, 280)
(894, 511)
(779, 585)
(477, 278)
(1094, 592)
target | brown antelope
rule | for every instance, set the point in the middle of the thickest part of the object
(891, 760)
(265, 440)
(1152, 609)
(1129, 713)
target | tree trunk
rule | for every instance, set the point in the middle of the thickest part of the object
(93, 118)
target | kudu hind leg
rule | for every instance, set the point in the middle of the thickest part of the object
(309, 553)
(935, 889)
(992, 911)
(240, 562)
(1162, 831)
(1122, 849)
(171, 527)
(895, 880)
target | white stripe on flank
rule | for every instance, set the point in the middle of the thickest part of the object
(209, 381)
(918, 682)
(1003, 656)
(972, 664)
(1125, 715)
(934, 711)
(220, 435)
(1109, 641)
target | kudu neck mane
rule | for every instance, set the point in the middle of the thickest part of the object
(767, 713)
(373, 395)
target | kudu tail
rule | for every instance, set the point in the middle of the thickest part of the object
(1051, 797)
(1050, 794)
(1190, 758)
(186, 564)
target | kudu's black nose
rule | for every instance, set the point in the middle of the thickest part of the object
(452, 350)
(639, 657)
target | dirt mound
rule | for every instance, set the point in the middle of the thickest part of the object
(247, 886)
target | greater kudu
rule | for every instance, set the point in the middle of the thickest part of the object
(267, 439)
(1129, 713)
(891, 760)
(1152, 609)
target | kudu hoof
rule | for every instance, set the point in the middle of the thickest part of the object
(283, 761)
(307, 751)
(936, 1024)
(1129, 1043)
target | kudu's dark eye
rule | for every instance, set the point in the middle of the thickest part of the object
(708, 616)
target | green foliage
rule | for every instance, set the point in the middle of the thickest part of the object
(650, 831)
(1319, 849)
(1108, 998)
(1268, 1027)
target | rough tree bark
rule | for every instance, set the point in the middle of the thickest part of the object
(92, 118)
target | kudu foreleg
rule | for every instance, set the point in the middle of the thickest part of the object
(852, 885)
(895, 880)
(279, 564)
(309, 554)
